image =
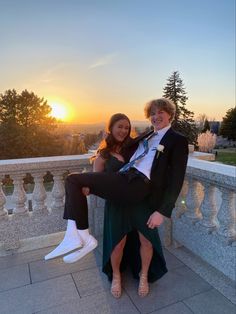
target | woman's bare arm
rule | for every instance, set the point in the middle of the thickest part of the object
(98, 164)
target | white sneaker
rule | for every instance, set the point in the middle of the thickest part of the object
(90, 245)
(67, 245)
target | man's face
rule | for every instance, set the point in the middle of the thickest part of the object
(159, 118)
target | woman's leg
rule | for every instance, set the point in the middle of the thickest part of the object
(116, 257)
(146, 252)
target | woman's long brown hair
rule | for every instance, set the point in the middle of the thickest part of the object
(109, 143)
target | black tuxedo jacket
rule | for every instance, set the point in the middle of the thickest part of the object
(167, 172)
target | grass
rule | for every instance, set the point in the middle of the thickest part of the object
(226, 157)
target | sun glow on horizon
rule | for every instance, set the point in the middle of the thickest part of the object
(59, 111)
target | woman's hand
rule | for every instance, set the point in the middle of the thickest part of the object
(86, 191)
(155, 220)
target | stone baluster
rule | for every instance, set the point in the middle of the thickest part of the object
(58, 190)
(192, 200)
(19, 195)
(3, 211)
(181, 201)
(39, 193)
(227, 214)
(208, 207)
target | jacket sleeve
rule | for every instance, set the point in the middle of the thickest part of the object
(177, 167)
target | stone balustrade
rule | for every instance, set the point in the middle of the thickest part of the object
(23, 228)
(203, 221)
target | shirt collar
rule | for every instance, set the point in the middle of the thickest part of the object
(163, 131)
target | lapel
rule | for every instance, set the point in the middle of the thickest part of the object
(165, 141)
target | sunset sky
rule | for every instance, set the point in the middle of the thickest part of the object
(101, 57)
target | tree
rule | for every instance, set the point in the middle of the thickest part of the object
(228, 125)
(183, 121)
(200, 121)
(26, 128)
(206, 126)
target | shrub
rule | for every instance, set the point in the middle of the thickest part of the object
(206, 141)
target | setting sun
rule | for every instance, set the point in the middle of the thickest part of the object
(59, 111)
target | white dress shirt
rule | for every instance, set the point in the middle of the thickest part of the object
(144, 164)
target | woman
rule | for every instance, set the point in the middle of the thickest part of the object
(121, 224)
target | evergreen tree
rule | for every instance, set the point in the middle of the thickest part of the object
(26, 128)
(228, 125)
(206, 126)
(183, 121)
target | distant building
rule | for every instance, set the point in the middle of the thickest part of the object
(214, 127)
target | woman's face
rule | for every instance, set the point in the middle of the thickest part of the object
(120, 130)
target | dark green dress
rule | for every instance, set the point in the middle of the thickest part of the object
(120, 220)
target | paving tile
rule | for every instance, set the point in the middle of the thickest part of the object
(91, 281)
(172, 261)
(39, 296)
(42, 270)
(14, 277)
(213, 301)
(210, 274)
(176, 285)
(174, 308)
(100, 303)
(23, 258)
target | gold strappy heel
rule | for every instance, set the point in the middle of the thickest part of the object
(116, 287)
(143, 288)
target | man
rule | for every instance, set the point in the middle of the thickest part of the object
(156, 170)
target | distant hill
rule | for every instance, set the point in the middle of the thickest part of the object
(95, 127)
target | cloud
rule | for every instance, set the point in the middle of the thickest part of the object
(105, 60)
(51, 74)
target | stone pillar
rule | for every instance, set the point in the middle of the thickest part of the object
(19, 195)
(208, 207)
(3, 211)
(58, 191)
(227, 214)
(192, 200)
(39, 193)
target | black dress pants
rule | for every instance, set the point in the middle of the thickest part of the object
(128, 188)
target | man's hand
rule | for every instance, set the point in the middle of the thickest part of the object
(86, 191)
(155, 220)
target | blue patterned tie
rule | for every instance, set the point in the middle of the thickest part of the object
(130, 164)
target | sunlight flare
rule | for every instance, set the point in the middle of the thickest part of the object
(59, 111)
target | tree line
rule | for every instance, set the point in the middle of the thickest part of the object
(28, 130)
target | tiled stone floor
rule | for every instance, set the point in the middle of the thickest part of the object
(28, 284)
